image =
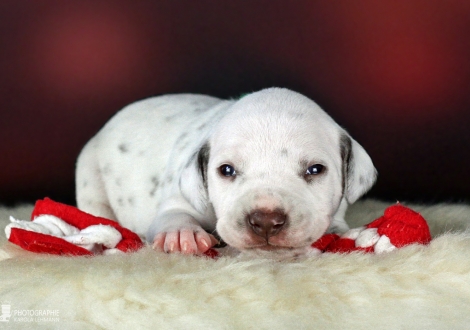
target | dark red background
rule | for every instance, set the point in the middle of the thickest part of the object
(396, 74)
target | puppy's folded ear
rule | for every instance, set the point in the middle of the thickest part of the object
(193, 180)
(359, 173)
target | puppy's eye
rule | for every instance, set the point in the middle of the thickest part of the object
(314, 169)
(227, 170)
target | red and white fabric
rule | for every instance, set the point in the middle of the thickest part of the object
(61, 229)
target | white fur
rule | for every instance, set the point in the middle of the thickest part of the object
(144, 169)
(416, 287)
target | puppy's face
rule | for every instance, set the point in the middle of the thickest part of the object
(278, 169)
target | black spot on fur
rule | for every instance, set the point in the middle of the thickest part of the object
(346, 157)
(106, 169)
(155, 183)
(120, 201)
(199, 110)
(171, 117)
(284, 152)
(155, 180)
(130, 200)
(169, 178)
(123, 148)
(201, 127)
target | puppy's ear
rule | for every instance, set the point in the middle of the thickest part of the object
(359, 173)
(193, 181)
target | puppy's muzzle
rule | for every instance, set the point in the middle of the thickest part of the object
(266, 223)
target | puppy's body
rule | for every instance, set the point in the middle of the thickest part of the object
(170, 166)
(128, 169)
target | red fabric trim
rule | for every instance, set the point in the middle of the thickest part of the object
(77, 218)
(41, 243)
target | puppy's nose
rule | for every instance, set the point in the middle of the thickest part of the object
(266, 223)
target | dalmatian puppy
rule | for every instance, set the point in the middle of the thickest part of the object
(269, 173)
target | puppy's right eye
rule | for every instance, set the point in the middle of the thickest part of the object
(227, 170)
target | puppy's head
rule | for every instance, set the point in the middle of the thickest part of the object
(276, 168)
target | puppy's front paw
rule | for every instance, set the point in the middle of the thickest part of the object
(187, 241)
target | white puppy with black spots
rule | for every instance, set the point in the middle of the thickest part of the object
(269, 173)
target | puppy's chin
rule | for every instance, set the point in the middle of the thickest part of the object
(278, 253)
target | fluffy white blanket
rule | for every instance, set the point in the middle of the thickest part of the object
(416, 287)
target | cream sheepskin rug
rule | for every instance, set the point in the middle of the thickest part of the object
(416, 287)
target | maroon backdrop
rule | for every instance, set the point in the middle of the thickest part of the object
(396, 74)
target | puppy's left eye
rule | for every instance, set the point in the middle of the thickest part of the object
(315, 169)
(227, 170)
